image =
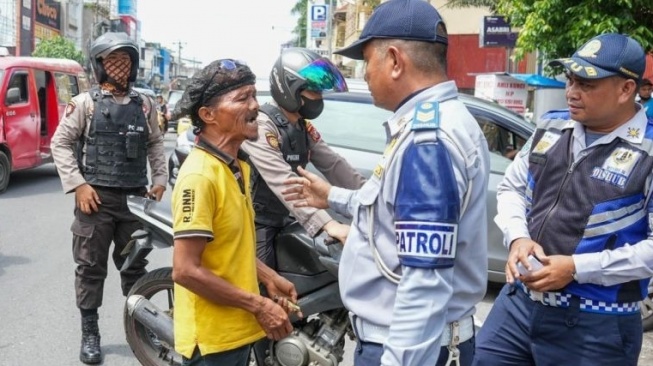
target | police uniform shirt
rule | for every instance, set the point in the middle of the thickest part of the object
(77, 121)
(631, 262)
(268, 159)
(429, 295)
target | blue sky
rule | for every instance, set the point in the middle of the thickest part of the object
(248, 30)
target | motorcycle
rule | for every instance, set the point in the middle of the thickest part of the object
(310, 264)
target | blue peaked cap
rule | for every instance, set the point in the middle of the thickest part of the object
(607, 55)
(413, 20)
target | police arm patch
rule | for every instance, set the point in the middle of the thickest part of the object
(70, 108)
(426, 244)
(312, 131)
(272, 140)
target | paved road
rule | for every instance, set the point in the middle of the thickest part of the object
(38, 320)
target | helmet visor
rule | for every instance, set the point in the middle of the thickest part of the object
(322, 75)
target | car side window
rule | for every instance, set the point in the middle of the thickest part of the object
(19, 80)
(352, 125)
(67, 87)
(500, 140)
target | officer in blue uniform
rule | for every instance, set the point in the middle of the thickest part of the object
(415, 263)
(577, 198)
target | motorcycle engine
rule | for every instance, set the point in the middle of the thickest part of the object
(320, 342)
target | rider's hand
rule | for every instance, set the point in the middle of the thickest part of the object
(87, 199)
(308, 190)
(337, 230)
(156, 192)
(272, 318)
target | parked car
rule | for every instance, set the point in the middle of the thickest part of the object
(34, 95)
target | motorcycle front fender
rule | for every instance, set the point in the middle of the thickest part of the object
(135, 250)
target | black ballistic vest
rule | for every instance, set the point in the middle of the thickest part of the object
(293, 143)
(116, 145)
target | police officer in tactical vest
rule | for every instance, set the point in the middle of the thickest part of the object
(287, 140)
(101, 148)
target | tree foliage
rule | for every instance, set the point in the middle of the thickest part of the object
(556, 28)
(472, 4)
(58, 47)
(300, 8)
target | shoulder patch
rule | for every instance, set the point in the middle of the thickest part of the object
(427, 116)
(70, 108)
(272, 140)
(312, 131)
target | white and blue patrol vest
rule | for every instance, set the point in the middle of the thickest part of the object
(116, 145)
(294, 137)
(594, 204)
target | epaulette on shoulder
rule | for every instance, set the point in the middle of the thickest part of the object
(275, 114)
(95, 93)
(427, 116)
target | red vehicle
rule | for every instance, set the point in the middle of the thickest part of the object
(34, 93)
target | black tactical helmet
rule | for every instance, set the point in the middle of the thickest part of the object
(298, 69)
(107, 43)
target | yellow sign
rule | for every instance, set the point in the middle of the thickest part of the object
(42, 32)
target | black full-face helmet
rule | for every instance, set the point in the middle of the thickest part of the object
(299, 69)
(107, 43)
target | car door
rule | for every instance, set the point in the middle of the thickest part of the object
(22, 128)
(505, 137)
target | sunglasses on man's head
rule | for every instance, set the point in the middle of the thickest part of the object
(226, 64)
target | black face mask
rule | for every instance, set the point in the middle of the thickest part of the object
(312, 108)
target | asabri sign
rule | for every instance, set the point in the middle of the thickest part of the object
(495, 32)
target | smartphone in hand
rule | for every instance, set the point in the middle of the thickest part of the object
(535, 265)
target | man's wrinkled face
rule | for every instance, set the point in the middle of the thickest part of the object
(235, 113)
(118, 66)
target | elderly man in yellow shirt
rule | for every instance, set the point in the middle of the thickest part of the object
(219, 312)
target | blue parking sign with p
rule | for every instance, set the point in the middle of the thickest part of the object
(318, 12)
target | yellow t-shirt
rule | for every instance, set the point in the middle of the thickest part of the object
(207, 201)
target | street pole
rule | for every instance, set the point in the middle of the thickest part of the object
(330, 29)
(179, 47)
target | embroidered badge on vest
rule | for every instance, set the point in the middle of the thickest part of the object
(70, 108)
(312, 131)
(616, 169)
(272, 140)
(427, 116)
(633, 132)
(546, 142)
